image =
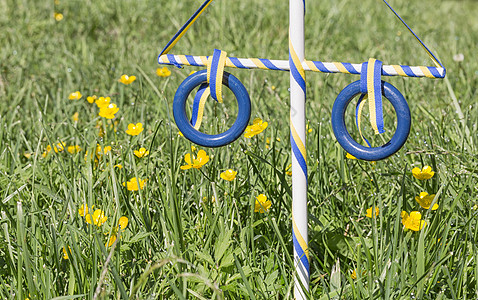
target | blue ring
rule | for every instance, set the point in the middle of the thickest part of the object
(207, 140)
(374, 153)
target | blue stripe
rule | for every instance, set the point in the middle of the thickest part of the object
(408, 71)
(295, 73)
(269, 65)
(434, 72)
(191, 60)
(321, 67)
(197, 100)
(172, 60)
(298, 156)
(235, 61)
(377, 83)
(300, 252)
(385, 73)
(350, 68)
(212, 79)
(363, 78)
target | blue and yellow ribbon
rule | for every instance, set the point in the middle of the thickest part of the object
(213, 87)
(371, 84)
(215, 72)
(371, 89)
(198, 105)
(358, 116)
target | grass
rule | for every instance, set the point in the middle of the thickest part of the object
(179, 243)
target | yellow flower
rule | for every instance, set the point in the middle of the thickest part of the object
(65, 253)
(73, 149)
(426, 200)
(193, 148)
(288, 170)
(58, 16)
(369, 212)
(83, 210)
(180, 133)
(257, 127)
(204, 199)
(102, 102)
(134, 129)
(425, 173)
(228, 175)
(132, 184)
(119, 166)
(163, 72)
(91, 99)
(190, 73)
(97, 219)
(413, 221)
(354, 274)
(47, 150)
(58, 148)
(122, 223)
(109, 111)
(308, 129)
(350, 156)
(75, 96)
(101, 151)
(75, 117)
(142, 152)
(196, 163)
(111, 241)
(125, 79)
(262, 204)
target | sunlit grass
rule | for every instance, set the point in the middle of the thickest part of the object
(197, 232)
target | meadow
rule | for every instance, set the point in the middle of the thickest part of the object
(85, 213)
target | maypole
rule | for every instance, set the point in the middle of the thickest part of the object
(210, 81)
(299, 156)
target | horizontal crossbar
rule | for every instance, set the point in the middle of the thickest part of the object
(308, 65)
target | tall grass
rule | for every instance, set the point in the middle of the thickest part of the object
(182, 244)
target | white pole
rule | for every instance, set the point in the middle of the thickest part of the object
(299, 165)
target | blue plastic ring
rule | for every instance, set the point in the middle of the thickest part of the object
(207, 140)
(374, 153)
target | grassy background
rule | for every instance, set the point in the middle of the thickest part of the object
(178, 245)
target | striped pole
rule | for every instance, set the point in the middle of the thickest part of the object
(297, 133)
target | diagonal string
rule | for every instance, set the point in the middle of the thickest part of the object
(432, 56)
(185, 27)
